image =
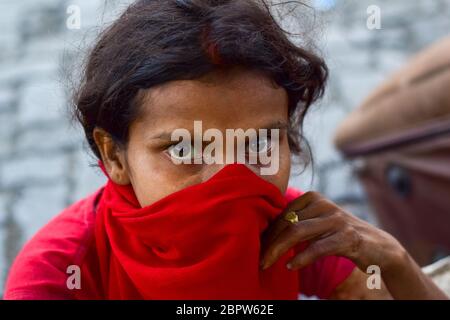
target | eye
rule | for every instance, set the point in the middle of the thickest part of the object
(181, 151)
(259, 145)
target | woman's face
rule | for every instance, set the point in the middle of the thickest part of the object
(233, 99)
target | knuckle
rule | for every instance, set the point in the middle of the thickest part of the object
(348, 232)
(339, 213)
(340, 216)
(293, 205)
(338, 220)
(323, 204)
(313, 195)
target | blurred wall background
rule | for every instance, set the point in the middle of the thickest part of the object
(44, 162)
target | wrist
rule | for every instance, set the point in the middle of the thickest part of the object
(397, 258)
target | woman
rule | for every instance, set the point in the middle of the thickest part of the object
(167, 227)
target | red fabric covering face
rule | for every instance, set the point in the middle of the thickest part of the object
(202, 242)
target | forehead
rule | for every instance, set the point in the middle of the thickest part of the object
(228, 99)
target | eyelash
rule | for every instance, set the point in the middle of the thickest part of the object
(247, 147)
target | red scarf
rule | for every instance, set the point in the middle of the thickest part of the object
(202, 242)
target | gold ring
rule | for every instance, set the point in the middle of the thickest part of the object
(291, 217)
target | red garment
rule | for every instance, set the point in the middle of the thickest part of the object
(200, 242)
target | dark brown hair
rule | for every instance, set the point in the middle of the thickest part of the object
(155, 41)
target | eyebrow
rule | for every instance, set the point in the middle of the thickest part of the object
(279, 124)
(162, 136)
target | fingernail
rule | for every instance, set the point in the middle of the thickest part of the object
(289, 266)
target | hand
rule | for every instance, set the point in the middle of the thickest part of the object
(330, 231)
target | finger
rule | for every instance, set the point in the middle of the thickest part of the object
(292, 236)
(304, 200)
(299, 206)
(330, 245)
(319, 208)
(274, 230)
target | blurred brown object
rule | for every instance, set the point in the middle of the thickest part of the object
(400, 137)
